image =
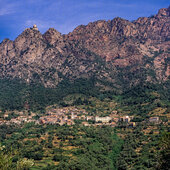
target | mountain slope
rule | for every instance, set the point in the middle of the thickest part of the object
(118, 53)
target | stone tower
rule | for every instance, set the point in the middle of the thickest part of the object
(35, 27)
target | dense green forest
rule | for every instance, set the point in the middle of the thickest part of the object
(73, 148)
(15, 94)
(79, 147)
(34, 146)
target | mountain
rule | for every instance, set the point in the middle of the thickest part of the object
(96, 98)
(117, 54)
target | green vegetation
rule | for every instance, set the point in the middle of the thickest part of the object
(143, 99)
(14, 94)
(139, 100)
(10, 160)
(164, 158)
(80, 147)
(58, 147)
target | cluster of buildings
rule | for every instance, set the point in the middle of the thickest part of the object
(20, 119)
(112, 120)
(56, 119)
(63, 116)
(68, 115)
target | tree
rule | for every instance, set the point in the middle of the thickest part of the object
(7, 161)
(24, 164)
(165, 152)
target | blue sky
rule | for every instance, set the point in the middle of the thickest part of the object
(65, 15)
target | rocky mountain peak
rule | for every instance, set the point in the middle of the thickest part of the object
(122, 27)
(5, 40)
(52, 36)
(119, 20)
(119, 43)
(164, 12)
(5, 48)
(28, 38)
(30, 33)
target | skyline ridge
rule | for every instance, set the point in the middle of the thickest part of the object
(66, 15)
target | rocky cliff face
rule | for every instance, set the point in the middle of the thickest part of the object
(119, 52)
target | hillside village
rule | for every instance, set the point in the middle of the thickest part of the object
(69, 116)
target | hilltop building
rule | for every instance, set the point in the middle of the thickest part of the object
(35, 27)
